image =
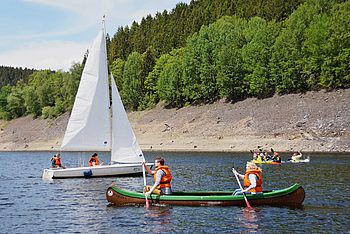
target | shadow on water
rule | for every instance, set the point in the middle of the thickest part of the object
(29, 204)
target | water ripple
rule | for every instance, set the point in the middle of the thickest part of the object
(30, 205)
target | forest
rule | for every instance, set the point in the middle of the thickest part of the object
(205, 51)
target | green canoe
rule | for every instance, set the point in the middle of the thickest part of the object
(291, 196)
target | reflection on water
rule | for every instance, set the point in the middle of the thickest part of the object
(30, 205)
(249, 219)
(159, 218)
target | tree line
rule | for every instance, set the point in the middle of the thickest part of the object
(234, 52)
(43, 93)
(10, 75)
(235, 58)
(169, 30)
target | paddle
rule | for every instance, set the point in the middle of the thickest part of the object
(144, 183)
(240, 186)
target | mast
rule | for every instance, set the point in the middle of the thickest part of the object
(104, 24)
(109, 82)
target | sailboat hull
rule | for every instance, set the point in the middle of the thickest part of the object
(119, 169)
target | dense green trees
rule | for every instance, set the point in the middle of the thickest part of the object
(305, 51)
(201, 52)
(43, 93)
(170, 83)
(10, 75)
(234, 58)
(169, 30)
(132, 81)
(260, 36)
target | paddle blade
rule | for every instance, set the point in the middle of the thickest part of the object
(147, 203)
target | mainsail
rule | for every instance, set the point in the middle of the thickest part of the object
(95, 125)
(125, 147)
(89, 126)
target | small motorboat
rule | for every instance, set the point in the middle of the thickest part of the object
(291, 196)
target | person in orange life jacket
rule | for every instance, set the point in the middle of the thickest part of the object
(94, 160)
(162, 178)
(252, 180)
(56, 161)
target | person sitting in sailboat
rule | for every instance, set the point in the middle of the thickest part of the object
(252, 179)
(162, 178)
(94, 160)
(56, 161)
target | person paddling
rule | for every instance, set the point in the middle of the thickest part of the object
(162, 178)
(252, 179)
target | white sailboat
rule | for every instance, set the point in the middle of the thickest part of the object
(95, 125)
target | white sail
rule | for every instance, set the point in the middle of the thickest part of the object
(125, 147)
(89, 126)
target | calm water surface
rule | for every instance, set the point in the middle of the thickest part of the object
(30, 205)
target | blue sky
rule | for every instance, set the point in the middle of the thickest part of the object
(52, 34)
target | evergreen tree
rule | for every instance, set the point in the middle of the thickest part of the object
(5, 91)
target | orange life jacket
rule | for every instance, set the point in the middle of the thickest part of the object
(166, 179)
(93, 160)
(58, 162)
(258, 187)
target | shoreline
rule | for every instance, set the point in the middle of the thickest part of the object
(311, 122)
(186, 151)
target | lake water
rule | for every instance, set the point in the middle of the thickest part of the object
(30, 205)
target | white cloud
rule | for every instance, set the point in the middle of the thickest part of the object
(52, 55)
(55, 51)
(90, 13)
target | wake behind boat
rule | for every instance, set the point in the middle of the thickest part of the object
(96, 125)
(291, 196)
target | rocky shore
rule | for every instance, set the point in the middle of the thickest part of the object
(311, 122)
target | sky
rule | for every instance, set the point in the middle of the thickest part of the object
(54, 34)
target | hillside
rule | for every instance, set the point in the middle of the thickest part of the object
(314, 121)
